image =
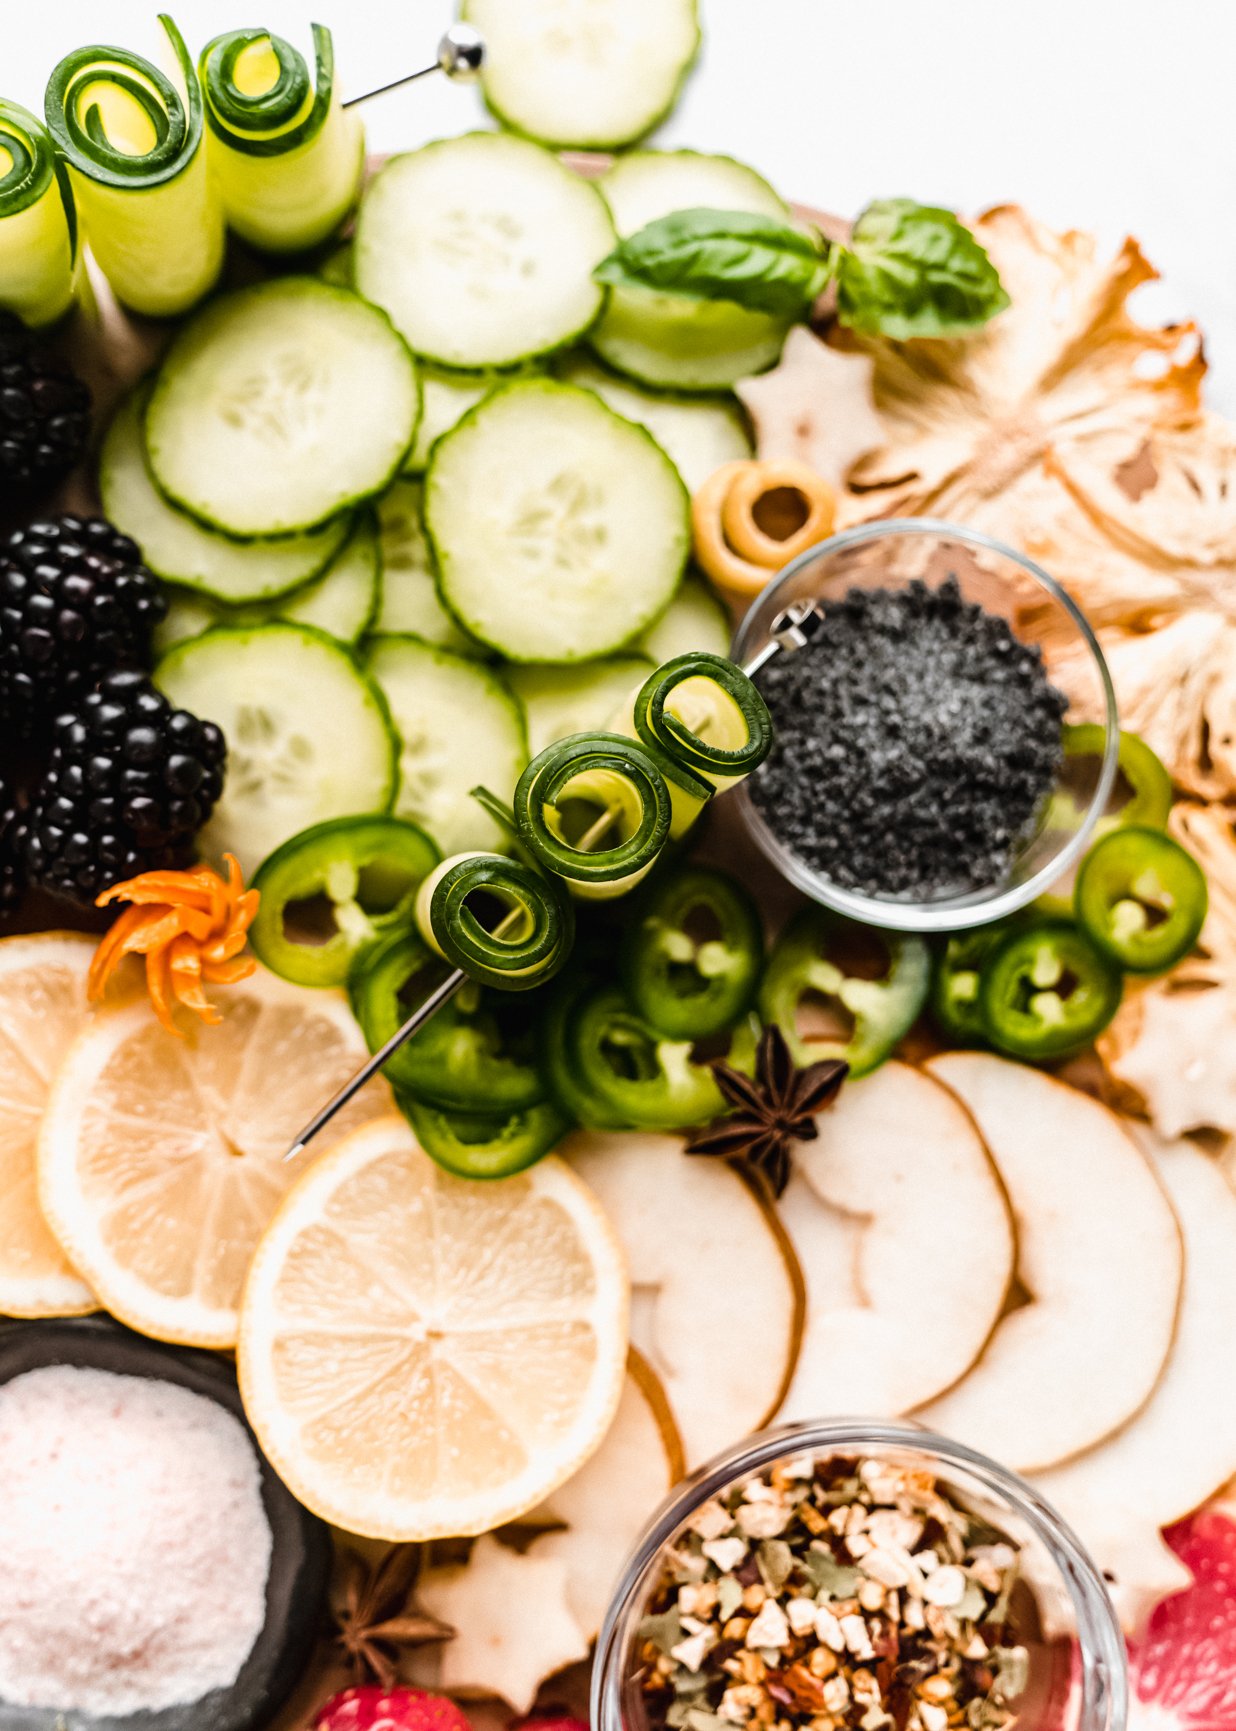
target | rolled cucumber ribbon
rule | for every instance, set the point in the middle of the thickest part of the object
(136, 151)
(593, 809)
(523, 943)
(38, 222)
(704, 714)
(287, 158)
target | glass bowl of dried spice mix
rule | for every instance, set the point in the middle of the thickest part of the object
(922, 778)
(858, 1576)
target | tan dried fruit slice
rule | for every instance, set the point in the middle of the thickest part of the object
(717, 1310)
(1171, 1053)
(814, 407)
(42, 1009)
(607, 1504)
(898, 1171)
(1181, 1447)
(512, 1619)
(1099, 1262)
(161, 1158)
(422, 1355)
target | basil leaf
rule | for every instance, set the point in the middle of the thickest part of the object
(913, 270)
(727, 255)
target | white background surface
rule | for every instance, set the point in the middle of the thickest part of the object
(1117, 115)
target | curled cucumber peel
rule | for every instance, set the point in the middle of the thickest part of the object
(39, 254)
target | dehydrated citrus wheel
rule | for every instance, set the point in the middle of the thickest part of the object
(423, 1355)
(42, 1007)
(160, 1158)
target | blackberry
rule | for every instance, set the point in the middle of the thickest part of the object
(44, 415)
(12, 839)
(130, 782)
(75, 601)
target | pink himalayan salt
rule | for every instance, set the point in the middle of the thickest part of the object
(134, 1543)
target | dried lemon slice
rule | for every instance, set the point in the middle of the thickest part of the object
(42, 1008)
(423, 1355)
(160, 1158)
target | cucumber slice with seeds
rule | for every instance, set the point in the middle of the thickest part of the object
(410, 603)
(482, 249)
(695, 619)
(280, 406)
(558, 701)
(458, 725)
(180, 550)
(559, 529)
(595, 74)
(697, 433)
(309, 735)
(673, 341)
(342, 601)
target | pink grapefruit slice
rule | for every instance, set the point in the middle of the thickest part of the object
(1183, 1669)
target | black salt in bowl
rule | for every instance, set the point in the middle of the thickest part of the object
(918, 734)
(301, 1549)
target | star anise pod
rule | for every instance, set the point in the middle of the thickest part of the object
(770, 1112)
(374, 1615)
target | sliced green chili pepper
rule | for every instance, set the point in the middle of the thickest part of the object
(334, 889)
(1046, 991)
(477, 1052)
(557, 1060)
(875, 982)
(526, 940)
(1142, 899)
(955, 983)
(1147, 787)
(692, 953)
(480, 1145)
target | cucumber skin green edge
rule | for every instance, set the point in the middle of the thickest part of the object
(688, 67)
(348, 505)
(498, 368)
(493, 673)
(343, 652)
(553, 385)
(625, 158)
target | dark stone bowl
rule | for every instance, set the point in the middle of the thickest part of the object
(300, 1555)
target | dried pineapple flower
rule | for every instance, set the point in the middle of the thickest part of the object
(191, 926)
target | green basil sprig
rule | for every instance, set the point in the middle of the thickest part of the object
(908, 270)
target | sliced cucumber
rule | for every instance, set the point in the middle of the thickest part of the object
(597, 74)
(694, 619)
(309, 735)
(458, 725)
(559, 529)
(410, 603)
(446, 398)
(342, 601)
(562, 700)
(697, 433)
(280, 406)
(336, 267)
(673, 341)
(645, 184)
(482, 249)
(177, 548)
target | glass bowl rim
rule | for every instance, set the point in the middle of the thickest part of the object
(978, 907)
(1104, 1656)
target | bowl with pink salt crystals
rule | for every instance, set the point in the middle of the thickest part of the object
(157, 1572)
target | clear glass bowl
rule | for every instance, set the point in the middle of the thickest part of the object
(889, 555)
(1078, 1668)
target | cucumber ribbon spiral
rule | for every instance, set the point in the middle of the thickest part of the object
(287, 158)
(593, 810)
(528, 941)
(135, 147)
(38, 221)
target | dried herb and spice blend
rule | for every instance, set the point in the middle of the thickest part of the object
(838, 1595)
(915, 739)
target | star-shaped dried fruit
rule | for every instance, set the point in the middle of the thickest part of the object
(374, 1615)
(772, 1111)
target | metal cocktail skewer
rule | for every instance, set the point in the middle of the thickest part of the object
(792, 629)
(461, 55)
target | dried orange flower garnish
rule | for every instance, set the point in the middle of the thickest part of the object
(191, 926)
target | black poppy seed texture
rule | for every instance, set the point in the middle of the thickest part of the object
(915, 738)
